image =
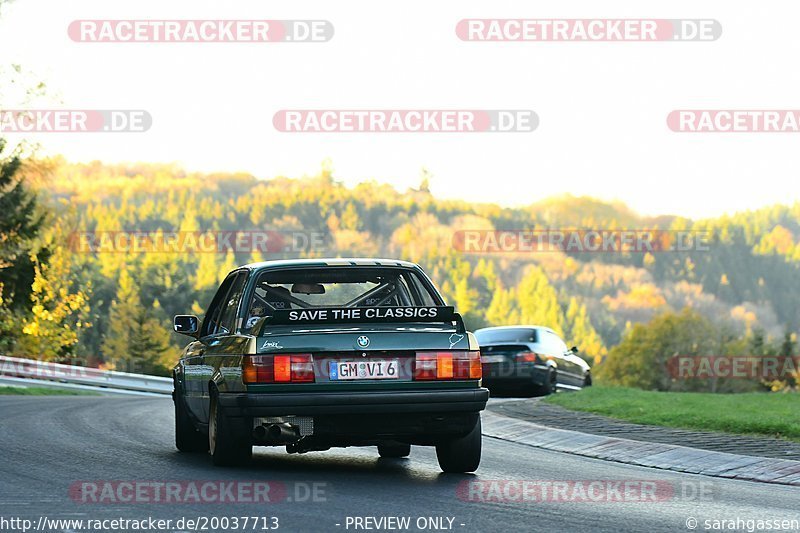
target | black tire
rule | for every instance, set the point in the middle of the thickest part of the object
(587, 380)
(552, 382)
(549, 386)
(187, 437)
(225, 447)
(463, 454)
(394, 450)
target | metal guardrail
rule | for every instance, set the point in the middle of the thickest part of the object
(81, 375)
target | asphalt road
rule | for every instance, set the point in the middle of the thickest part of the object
(50, 444)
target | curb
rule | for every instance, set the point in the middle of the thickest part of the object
(651, 454)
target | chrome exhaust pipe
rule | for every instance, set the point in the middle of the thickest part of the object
(278, 433)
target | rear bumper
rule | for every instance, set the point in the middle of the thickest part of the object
(514, 373)
(345, 403)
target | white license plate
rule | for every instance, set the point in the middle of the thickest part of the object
(492, 358)
(363, 370)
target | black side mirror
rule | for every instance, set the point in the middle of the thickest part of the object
(186, 324)
(574, 350)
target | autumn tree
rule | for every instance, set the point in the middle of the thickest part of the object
(207, 271)
(647, 357)
(59, 308)
(787, 351)
(150, 349)
(501, 311)
(537, 302)
(136, 340)
(20, 224)
(227, 265)
(749, 273)
(580, 332)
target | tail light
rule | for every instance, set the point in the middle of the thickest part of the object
(425, 366)
(430, 366)
(527, 357)
(283, 368)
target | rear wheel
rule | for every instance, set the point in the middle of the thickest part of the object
(394, 450)
(552, 382)
(187, 437)
(462, 454)
(549, 385)
(226, 448)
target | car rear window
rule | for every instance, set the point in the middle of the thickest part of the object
(338, 287)
(505, 335)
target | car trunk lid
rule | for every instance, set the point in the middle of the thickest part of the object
(349, 353)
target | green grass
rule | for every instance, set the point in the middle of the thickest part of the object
(753, 413)
(43, 391)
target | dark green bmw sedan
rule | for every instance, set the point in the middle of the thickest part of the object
(318, 353)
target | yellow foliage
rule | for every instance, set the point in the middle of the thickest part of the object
(639, 297)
